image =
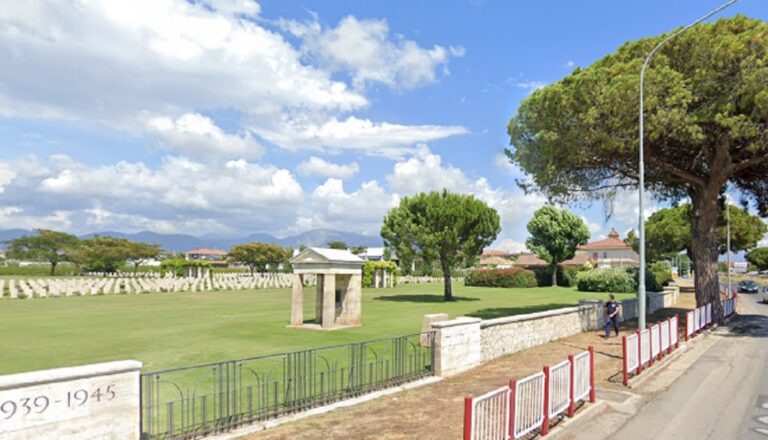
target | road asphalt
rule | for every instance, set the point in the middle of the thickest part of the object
(717, 389)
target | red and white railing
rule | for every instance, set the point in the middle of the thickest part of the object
(528, 404)
(641, 348)
(489, 415)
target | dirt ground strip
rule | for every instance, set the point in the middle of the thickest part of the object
(436, 411)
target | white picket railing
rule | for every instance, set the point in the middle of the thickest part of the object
(645, 347)
(709, 313)
(690, 323)
(559, 388)
(529, 404)
(673, 326)
(655, 340)
(664, 336)
(490, 415)
(581, 376)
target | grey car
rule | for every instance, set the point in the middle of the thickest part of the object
(748, 286)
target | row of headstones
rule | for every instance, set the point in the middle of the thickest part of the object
(41, 288)
(409, 279)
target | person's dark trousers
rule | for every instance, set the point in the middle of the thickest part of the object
(611, 321)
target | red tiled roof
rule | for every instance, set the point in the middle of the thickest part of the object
(204, 251)
(494, 253)
(530, 260)
(612, 242)
(579, 259)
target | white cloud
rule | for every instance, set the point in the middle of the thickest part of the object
(626, 209)
(198, 197)
(594, 228)
(531, 86)
(315, 166)
(570, 64)
(365, 48)
(376, 139)
(360, 211)
(193, 133)
(512, 246)
(115, 63)
(14, 217)
(6, 176)
(424, 171)
(502, 161)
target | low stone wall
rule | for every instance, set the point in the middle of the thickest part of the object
(93, 401)
(464, 343)
(511, 334)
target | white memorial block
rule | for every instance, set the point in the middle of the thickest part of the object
(99, 401)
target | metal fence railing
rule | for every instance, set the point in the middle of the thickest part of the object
(664, 328)
(192, 402)
(674, 329)
(582, 372)
(490, 415)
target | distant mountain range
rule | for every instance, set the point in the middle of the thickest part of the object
(185, 242)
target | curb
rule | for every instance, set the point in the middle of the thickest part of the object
(562, 427)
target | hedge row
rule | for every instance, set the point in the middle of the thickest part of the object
(514, 277)
(623, 280)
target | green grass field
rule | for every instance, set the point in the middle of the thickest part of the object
(175, 330)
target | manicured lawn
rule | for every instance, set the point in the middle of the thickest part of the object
(174, 330)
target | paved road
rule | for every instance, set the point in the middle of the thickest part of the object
(724, 395)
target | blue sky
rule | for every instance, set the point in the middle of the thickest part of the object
(229, 117)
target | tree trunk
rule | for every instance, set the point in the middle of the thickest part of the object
(53, 267)
(136, 267)
(554, 272)
(705, 241)
(447, 290)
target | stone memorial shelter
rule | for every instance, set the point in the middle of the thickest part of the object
(339, 288)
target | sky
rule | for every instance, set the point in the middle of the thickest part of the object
(227, 117)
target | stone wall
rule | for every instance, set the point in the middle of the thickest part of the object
(511, 334)
(93, 401)
(464, 343)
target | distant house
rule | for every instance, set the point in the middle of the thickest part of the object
(609, 252)
(529, 261)
(213, 256)
(494, 253)
(495, 261)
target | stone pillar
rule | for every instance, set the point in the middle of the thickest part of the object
(297, 301)
(319, 299)
(351, 308)
(329, 300)
(457, 345)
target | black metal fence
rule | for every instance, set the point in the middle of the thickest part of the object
(192, 402)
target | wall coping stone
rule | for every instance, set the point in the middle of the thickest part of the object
(461, 320)
(529, 316)
(42, 377)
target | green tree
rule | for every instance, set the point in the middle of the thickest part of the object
(759, 258)
(632, 240)
(555, 235)
(105, 254)
(45, 245)
(450, 227)
(139, 252)
(258, 256)
(669, 231)
(337, 244)
(706, 111)
(357, 250)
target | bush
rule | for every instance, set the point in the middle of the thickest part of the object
(615, 280)
(514, 277)
(566, 276)
(651, 282)
(662, 271)
(369, 267)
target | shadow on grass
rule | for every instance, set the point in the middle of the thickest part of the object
(423, 298)
(500, 312)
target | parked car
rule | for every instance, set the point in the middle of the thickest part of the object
(748, 286)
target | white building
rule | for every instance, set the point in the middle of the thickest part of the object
(610, 252)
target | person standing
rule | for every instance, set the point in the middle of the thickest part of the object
(611, 316)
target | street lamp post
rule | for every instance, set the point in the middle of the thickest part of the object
(728, 228)
(641, 168)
